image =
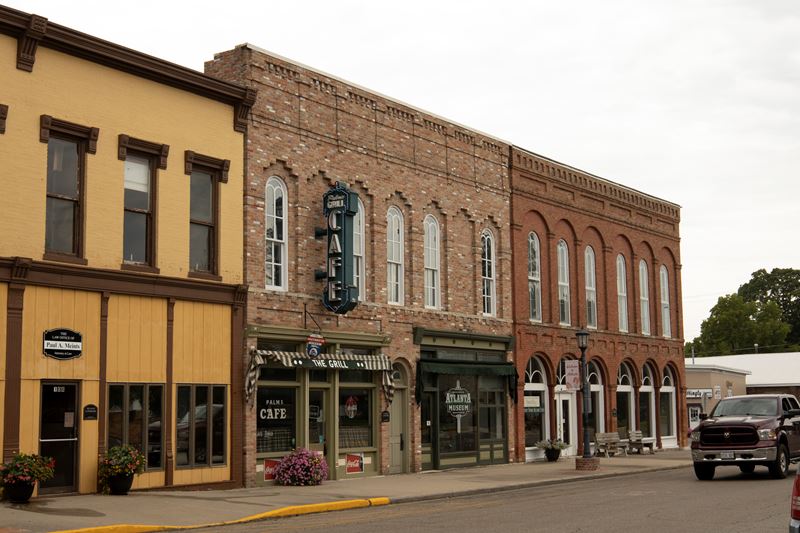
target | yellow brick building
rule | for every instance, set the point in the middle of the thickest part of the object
(121, 296)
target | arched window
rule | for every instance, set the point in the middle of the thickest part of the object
(622, 294)
(597, 422)
(666, 321)
(666, 409)
(275, 263)
(537, 426)
(359, 268)
(625, 400)
(591, 288)
(644, 297)
(394, 255)
(562, 254)
(534, 277)
(647, 403)
(432, 288)
(488, 272)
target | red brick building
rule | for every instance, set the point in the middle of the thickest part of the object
(420, 374)
(589, 253)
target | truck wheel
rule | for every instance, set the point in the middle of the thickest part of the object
(780, 468)
(704, 472)
(747, 468)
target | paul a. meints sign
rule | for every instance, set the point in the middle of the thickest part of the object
(340, 205)
(62, 343)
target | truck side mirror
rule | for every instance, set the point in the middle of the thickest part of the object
(791, 413)
(703, 416)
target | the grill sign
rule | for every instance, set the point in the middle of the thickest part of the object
(62, 343)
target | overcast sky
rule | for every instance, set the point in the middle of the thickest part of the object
(693, 101)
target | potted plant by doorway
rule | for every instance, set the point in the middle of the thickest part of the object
(301, 467)
(118, 467)
(552, 448)
(20, 474)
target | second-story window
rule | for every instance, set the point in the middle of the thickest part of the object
(666, 320)
(431, 253)
(622, 294)
(63, 220)
(394, 256)
(534, 278)
(202, 222)
(275, 234)
(644, 297)
(488, 273)
(562, 255)
(359, 267)
(137, 242)
(591, 288)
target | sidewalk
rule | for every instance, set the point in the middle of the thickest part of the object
(184, 508)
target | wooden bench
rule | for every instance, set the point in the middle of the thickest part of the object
(635, 442)
(609, 442)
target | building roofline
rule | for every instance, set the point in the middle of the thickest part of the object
(720, 368)
(34, 30)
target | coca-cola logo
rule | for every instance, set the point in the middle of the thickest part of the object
(354, 463)
(269, 469)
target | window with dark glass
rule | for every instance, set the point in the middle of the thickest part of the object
(644, 414)
(135, 417)
(201, 426)
(63, 217)
(276, 420)
(534, 417)
(491, 423)
(202, 222)
(355, 418)
(457, 417)
(138, 224)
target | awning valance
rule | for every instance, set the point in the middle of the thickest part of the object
(468, 368)
(338, 361)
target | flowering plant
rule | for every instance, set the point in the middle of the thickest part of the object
(301, 467)
(27, 468)
(123, 460)
(551, 444)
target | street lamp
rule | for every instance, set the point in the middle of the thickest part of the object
(583, 343)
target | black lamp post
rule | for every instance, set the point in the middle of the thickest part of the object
(583, 343)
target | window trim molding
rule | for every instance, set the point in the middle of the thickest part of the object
(533, 238)
(486, 233)
(644, 298)
(154, 162)
(392, 211)
(622, 293)
(433, 222)
(663, 285)
(125, 143)
(360, 269)
(49, 124)
(562, 245)
(284, 287)
(590, 288)
(218, 169)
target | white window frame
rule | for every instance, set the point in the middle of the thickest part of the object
(536, 380)
(591, 287)
(644, 296)
(666, 315)
(534, 277)
(622, 295)
(668, 388)
(562, 253)
(359, 267)
(488, 274)
(274, 183)
(647, 387)
(596, 385)
(395, 250)
(625, 386)
(432, 247)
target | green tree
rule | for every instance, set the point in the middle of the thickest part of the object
(781, 286)
(735, 326)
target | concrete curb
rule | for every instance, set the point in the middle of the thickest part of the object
(296, 510)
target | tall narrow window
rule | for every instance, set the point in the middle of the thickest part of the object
(591, 288)
(563, 283)
(534, 277)
(201, 425)
(394, 256)
(432, 290)
(622, 294)
(202, 224)
(488, 272)
(134, 415)
(275, 234)
(137, 242)
(63, 218)
(359, 268)
(644, 297)
(666, 321)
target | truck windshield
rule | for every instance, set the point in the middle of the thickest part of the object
(747, 406)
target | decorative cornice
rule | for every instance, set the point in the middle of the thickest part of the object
(20, 268)
(126, 142)
(48, 124)
(32, 31)
(220, 165)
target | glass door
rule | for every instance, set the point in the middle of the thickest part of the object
(318, 421)
(58, 435)
(566, 421)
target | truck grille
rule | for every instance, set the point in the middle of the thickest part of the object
(727, 436)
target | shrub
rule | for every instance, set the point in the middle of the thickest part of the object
(301, 467)
(27, 468)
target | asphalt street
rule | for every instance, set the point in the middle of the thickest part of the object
(669, 501)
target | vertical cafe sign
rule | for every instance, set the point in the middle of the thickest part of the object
(340, 205)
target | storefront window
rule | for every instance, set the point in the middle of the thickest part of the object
(492, 415)
(276, 424)
(534, 417)
(200, 430)
(127, 405)
(644, 413)
(665, 413)
(355, 418)
(457, 413)
(623, 413)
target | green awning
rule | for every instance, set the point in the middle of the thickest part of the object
(462, 368)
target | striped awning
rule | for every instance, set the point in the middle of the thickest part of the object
(337, 361)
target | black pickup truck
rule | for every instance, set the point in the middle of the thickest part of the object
(747, 431)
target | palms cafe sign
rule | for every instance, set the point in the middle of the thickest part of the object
(340, 205)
